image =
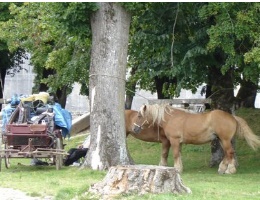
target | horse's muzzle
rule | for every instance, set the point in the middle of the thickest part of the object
(137, 129)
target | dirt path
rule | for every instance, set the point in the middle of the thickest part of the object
(12, 194)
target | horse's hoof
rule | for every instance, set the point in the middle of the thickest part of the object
(222, 168)
(231, 169)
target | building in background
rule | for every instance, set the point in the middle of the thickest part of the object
(22, 83)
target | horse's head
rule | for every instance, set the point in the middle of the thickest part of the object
(141, 121)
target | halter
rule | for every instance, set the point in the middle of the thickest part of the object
(141, 126)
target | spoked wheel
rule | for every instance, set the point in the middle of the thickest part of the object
(58, 158)
(7, 160)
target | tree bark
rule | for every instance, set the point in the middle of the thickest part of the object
(159, 84)
(246, 95)
(140, 179)
(110, 32)
(3, 74)
(61, 95)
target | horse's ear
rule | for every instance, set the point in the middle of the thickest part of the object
(144, 108)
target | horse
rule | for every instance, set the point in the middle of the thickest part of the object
(183, 127)
(151, 134)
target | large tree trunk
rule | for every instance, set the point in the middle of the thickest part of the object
(110, 32)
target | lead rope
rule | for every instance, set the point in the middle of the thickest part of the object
(158, 133)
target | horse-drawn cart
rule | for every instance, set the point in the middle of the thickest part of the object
(32, 137)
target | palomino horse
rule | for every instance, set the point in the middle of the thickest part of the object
(151, 134)
(183, 127)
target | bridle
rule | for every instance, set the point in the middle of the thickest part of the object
(141, 126)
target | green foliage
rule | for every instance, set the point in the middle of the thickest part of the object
(77, 16)
(171, 41)
(133, 7)
(236, 32)
(10, 61)
(150, 41)
(184, 41)
(4, 14)
(57, 36)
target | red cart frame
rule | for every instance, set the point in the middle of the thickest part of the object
(25, 140)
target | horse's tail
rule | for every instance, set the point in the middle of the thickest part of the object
(244, 131)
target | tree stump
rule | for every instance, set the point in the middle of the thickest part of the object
(140, 179)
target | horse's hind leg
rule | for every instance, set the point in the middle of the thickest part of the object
(165, 151)
(228, 164)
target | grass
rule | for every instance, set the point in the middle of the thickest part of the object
(46, 180)
(204, 181)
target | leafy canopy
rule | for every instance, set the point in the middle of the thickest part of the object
(57, 36)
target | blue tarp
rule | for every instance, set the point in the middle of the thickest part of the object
(62, 118)
(6, 114)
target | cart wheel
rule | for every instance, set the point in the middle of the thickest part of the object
(7, 161)
(58, 158)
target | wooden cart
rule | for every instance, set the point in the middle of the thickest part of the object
(40, 139)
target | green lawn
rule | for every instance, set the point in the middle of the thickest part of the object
(204, 181)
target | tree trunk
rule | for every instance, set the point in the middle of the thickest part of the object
(159, 87)
(246, 95)
(128, 102)
(3, 74)
(110, 32)
(207, 91)
(159, 84)
(140, 179)
(61, 95)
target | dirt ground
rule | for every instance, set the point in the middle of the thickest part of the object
(12, 194)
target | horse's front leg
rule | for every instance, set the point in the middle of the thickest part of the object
(176, 148)
(165, 151)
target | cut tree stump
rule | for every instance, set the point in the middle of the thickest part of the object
(140, 179)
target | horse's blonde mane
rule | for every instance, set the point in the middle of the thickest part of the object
(156, 112)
